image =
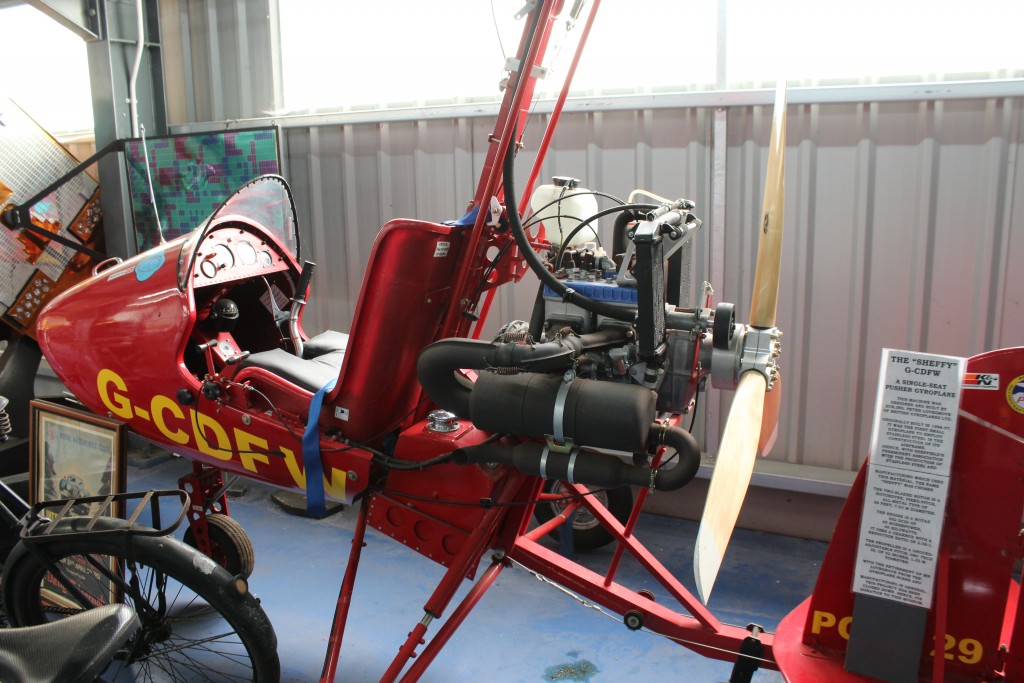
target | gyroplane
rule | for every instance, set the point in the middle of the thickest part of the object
(448, 442)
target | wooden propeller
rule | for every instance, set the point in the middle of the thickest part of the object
(754, 414)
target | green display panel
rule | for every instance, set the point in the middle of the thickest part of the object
(191, 175)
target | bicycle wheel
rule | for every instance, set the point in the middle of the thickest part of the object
(199, 623)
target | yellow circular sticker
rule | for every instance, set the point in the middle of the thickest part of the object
(1015, 394)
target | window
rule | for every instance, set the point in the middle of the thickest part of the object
(409, 52)
(45, 70)
(348, 54)
(872, 41)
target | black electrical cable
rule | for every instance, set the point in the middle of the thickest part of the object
(487, 273)
(596, 193)
(600, 214)
(561, 198)
(568, 295)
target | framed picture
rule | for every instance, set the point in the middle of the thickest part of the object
(75, 454)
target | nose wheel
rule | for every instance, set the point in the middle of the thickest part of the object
(230, 546)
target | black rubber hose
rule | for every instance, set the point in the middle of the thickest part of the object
(591, 467)
(537, 316)
(619, 238)
(568, 295)
(688, 456)
(438, 363)
(437, 367)
(627, 210)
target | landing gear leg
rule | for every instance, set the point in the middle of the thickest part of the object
(345, 597)
(478, 540)
(211, 531)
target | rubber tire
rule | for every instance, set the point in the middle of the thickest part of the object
(587, 534)
(180, 563)
(232, 547)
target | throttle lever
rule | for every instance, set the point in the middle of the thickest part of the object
(298, 301)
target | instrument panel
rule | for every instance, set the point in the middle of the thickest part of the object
(228, 255)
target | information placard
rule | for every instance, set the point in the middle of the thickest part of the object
(908, 476)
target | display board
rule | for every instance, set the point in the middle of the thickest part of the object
(908, 476)
(34, 269)
(191, 175)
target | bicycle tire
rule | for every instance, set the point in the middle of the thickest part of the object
(199, 623)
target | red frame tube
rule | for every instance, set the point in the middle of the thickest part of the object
(509, 117)
(556, 113)
(345, 596)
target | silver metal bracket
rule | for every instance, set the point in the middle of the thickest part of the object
(539, 72)
(761, 349)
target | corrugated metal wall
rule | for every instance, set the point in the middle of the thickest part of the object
(902, 227)
(905, 224)
(905, 217)
(221, 59)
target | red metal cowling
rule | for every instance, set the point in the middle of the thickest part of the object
(118, 342)
(114, 321)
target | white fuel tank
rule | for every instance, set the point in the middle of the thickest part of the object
(563, 205)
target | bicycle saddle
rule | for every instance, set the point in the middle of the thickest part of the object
(72, 650)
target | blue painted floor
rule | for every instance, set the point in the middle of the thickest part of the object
(523, 630)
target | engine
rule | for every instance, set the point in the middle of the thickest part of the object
(607, 355)
(666, 346)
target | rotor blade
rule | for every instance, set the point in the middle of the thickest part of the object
(770, 421)
(769, 249)
(729, 481)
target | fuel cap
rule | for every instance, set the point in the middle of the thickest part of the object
(442, 421)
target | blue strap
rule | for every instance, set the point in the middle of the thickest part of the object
(315, 504)
(468, 218)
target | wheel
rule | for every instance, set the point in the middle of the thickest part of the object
(231, 546)
(587, 532)
(199, 623)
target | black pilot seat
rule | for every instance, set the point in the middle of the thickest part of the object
(322, 356)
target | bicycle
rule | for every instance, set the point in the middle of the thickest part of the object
(72, 650)
(196, 620)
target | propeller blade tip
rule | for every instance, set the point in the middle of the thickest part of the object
(706, 563)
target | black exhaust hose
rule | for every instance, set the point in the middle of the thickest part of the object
(590, 467)
(438, 363)
(436, 369)
(604, 414)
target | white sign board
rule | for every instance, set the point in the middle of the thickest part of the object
(908, 476)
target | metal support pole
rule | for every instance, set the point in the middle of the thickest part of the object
(478, 541)
(449, 627)
(345, 596)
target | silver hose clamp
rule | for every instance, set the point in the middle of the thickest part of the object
(558, 418)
